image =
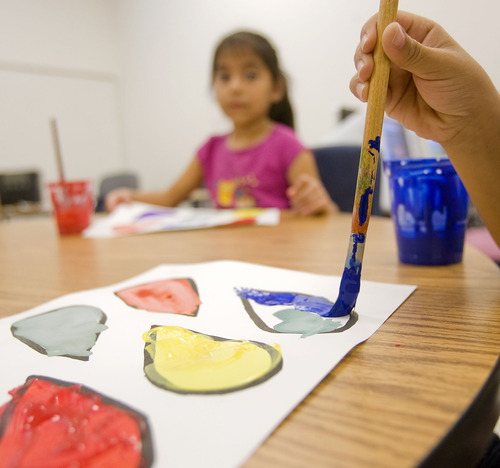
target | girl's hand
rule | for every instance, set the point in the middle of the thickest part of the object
(435, 88)
(116, 197)
(308, 196)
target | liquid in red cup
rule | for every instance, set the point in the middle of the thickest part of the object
(73, 204)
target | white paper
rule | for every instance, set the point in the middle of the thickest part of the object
(202, 430)
(142, 218)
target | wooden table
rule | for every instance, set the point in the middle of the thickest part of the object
(389, 402)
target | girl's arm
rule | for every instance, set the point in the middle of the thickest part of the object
(178, 192)
(306, 192)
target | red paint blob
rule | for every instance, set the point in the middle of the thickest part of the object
(51, 425)
(174, 296)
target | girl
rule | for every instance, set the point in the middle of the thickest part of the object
(261, 163)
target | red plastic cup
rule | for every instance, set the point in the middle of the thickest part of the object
(73, 204)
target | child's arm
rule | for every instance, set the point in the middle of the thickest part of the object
(440, 92)
(306, 192)
(178, 192)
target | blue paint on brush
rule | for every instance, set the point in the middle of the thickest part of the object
(363, 206)
(375, 144)
(315, 304)
(351, 279)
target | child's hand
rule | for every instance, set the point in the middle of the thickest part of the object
(440, 92)
(308, 196)
(435, 88)
(116, 197)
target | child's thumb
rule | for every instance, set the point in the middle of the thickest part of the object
(406, 52)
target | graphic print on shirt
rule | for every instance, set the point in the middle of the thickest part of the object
(237, 193)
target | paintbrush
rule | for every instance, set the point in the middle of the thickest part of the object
(368, 161)
(57, 149)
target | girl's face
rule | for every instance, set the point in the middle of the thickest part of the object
(244, 86)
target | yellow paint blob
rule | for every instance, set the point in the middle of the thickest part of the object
(186, 361)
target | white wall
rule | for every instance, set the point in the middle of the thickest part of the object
(169, 108)
(167, 48)
(128, 80)
(58, 59)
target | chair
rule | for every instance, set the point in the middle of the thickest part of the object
(338, 169)
(19, 193)
(109, 183)
(19, 187)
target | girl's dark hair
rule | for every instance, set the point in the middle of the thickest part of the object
(280, 111)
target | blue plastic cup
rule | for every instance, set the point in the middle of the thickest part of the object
(429, 207)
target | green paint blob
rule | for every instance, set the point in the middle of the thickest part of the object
(298, 321)
(70, 331)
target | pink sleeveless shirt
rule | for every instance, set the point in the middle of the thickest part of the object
(253, 177)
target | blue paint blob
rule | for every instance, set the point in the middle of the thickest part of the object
(265, 297)
(375, 144)
(315, 304)
(152, 214)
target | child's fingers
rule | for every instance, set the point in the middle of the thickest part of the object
(368, 35)
(363, 60)
(299, 190)
(116, 197)
(359, 88)
(306, 196)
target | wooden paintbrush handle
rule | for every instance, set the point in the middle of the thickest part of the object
(57, 149)
(351, 278)
(377, 93)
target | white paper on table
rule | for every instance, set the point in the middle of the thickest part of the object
(142, 218)
(202, 430)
